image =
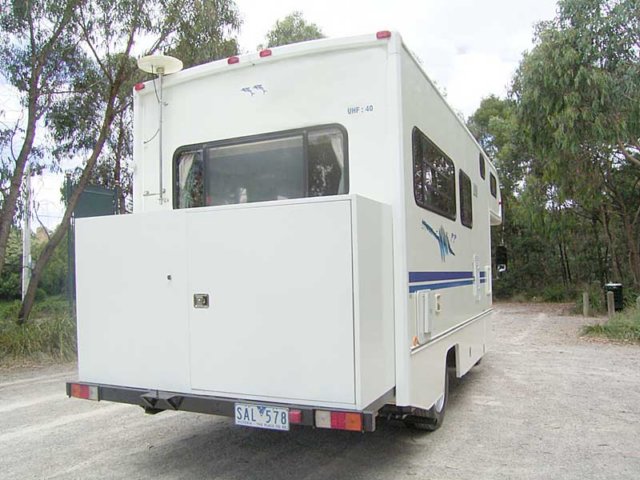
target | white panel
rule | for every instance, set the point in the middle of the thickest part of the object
(374, 300)
(132, 320)
(280, 323)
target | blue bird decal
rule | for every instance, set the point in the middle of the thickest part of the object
(443, 240)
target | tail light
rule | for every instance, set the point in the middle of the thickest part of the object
(351, 421)
(86, 392)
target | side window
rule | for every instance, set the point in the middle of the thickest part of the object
(483, 170)
(434, 177)
(493, 185)
(466, 200)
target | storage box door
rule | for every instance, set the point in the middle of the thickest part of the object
(272, 306)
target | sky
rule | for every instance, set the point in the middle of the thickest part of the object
(470, 48)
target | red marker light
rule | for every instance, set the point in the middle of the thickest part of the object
(233, 60)
(295, 416)
(383, 34)
(265, 53)
(138, 86)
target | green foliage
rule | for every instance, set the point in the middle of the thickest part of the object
(54, 277)
(51, 334)
(580, 86)
(203, 30)
(292, 29)
(566, 147)
(11, 278)
(623, 326)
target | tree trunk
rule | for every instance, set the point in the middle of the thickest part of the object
(615, 262)
(11, 200)
(567, 266)
(109, 115)
(634, 254)
(58, 235)
(565, 280)
(39, 55)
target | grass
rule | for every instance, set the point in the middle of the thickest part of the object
(624, 326)
(49, 334)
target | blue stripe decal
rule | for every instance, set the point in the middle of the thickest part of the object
(415, 277)
(438, 286)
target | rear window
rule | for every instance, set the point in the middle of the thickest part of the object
(434, 177)
(279, 166)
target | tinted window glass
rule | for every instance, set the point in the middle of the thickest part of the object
(255, 172)
(305, 163)
(493, 185)
(434, 186)
(466, 200)
(483, 171)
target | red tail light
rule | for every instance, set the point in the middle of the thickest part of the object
(138, 86)
(86, 392)
(383, 34)
(295, 416)
(351, 421)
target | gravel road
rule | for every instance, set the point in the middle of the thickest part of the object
(543, 404)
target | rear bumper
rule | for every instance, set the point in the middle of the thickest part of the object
(155, 401)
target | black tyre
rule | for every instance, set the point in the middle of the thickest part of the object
(434, 417)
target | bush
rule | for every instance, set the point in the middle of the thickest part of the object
(623, 326)
(51, 332)
(558, 293)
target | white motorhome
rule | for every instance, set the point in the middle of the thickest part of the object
(314, 249)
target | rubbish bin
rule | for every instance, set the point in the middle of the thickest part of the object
(618, 300)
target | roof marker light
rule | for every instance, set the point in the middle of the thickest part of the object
(265, 53)
(233, 60)
(383, 34)
(138, 86)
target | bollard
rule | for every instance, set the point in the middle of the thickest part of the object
(611, 307)
(585, 304)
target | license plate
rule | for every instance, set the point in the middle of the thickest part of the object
(262, 416)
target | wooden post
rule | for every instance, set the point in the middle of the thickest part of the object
(611, 307)
(585, 304)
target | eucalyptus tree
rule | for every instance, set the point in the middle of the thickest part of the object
(81, 122)
(578, 99)
(37, 49)
(292, 29)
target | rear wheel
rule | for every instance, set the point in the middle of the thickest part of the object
(434, 417)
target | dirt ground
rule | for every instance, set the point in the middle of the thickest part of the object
(544, 404)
